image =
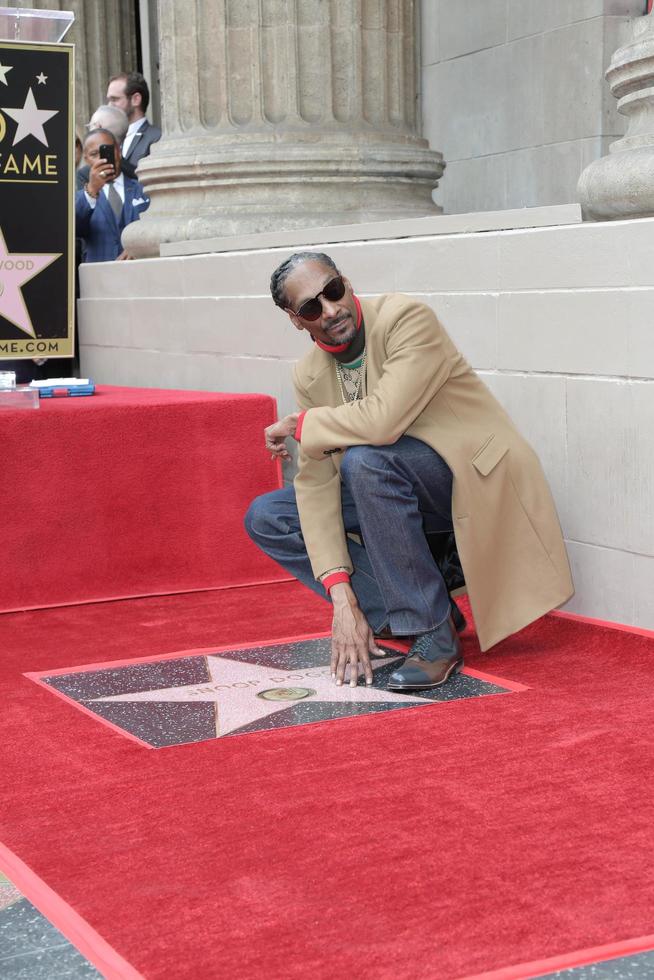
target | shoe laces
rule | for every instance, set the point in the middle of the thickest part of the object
(433, 645)
(422, 645)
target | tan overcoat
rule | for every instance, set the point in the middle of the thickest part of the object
(418, 384)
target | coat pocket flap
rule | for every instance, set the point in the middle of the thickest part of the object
(486, 459)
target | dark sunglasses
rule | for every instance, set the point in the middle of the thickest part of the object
(312, 309)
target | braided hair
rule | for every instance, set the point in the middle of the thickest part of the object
(283, 271)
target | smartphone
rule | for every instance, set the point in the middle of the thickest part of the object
(106, 151)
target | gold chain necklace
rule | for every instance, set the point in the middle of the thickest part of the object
(350, 387)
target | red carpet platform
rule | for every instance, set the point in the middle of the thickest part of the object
(441, 841)
(131, 492)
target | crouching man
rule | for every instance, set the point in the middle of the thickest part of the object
(398, 437)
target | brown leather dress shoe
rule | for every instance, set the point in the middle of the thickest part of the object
(432, 660)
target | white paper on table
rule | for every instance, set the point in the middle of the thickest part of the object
(59, 383)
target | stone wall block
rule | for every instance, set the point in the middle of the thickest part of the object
(543, 173)
(471, 320)
(430, 30)
(472, 26)
(504, 76)
(476, 85)
(537, 406)
(598, 574)
(525, 86)
(610, 463)
(479, 184)
(580, 48)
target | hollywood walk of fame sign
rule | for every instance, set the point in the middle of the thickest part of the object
(196, 697)
(37, 239)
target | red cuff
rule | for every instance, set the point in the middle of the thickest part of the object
(298, 427)
(334, 579)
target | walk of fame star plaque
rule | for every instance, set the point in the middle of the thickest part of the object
(37, 244)
(195, 696)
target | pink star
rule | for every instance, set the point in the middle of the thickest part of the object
(17, 268)
(236, 690)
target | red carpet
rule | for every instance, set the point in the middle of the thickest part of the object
(438, 842)
(131, 492)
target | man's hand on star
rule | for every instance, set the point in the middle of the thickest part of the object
(277, 434)
(352, 639)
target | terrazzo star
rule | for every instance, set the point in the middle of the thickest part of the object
(398, 437)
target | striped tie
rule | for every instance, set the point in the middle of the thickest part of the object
(115, 201)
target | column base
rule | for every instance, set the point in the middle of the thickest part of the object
(618, 186)
(244, 190)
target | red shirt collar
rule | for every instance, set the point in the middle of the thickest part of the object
(339, 348)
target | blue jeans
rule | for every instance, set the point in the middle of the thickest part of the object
(391, 496)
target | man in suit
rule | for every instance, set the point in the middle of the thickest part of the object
(398, 437)
(108, 203)
(114, 119)
(129, 92)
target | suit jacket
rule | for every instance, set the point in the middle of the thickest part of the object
(143, 140)
(98, 226)
(507, 532)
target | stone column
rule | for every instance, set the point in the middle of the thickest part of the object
(281, 114)
(621, 185)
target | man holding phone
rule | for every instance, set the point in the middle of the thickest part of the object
(109, 202)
